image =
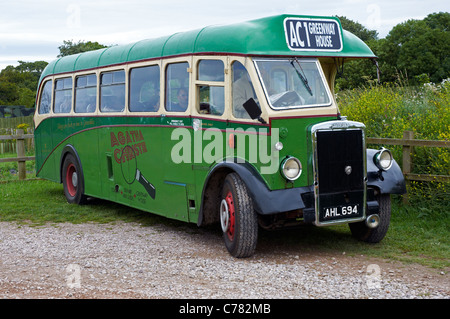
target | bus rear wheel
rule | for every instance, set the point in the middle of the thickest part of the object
(73, 180)
(238, 219)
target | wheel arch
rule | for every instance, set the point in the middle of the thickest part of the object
(210, 197)
(213, 186)
(265, 201)
(68, 149)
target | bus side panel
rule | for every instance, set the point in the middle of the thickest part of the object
(138, 171)
(86, 145)
(131, 165)
(45, 161)
(294, 134)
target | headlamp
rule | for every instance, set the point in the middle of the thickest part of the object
(291, 168)
(383, 159)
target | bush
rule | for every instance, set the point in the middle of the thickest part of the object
(389, 110)
(24, 127)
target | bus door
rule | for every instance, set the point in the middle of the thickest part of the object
(176, 167)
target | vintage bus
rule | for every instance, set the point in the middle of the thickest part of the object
(235, 125)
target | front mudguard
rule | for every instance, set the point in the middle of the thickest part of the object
(265, 201)
(391, 181)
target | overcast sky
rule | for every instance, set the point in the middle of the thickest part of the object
(32, 30)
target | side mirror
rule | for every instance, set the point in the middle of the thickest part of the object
(253, 110)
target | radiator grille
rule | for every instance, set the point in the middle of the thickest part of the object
(336, 151)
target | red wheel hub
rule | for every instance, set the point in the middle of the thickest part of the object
(231, 212)
(71, 179)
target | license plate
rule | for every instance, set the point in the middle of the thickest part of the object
(341, 212)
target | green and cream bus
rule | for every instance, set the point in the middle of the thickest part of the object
(235, 125)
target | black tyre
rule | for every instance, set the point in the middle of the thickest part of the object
(237, 217)
(73, 180)
(374, 235)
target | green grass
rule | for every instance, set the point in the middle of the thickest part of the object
(37, 202)
(415, 236)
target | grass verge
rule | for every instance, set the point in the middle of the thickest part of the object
(38, 202)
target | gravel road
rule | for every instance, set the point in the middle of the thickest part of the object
(127, 260)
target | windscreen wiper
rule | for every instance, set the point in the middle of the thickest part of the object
(302, 76)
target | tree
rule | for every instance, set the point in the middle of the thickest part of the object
(420, 47)
(8, 93)
(33, 67)
(358, 29)
(69, 47)
(357, 72)
(18, 84)
(417, 49)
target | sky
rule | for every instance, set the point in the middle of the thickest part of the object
(32, 30)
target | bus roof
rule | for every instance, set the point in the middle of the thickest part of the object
(282, 35)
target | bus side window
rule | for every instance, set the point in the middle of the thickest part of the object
(211, 70)
(242, 90)
(86, 94)
(112, 91)
(177, 87)
(144, 89)
(211, 98)
(63, 96)
(46, 98)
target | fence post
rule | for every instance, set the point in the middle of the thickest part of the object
(20, 146)
(407, 160)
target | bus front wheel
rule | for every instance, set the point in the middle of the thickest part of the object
(374, 235)
(73, 180)
(238, 219)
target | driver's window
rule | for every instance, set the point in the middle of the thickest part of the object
(242, 90)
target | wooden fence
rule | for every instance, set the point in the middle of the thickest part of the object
(408, 143)
(20, 138)
(8, 126)
(9, 145)
(9, 122)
